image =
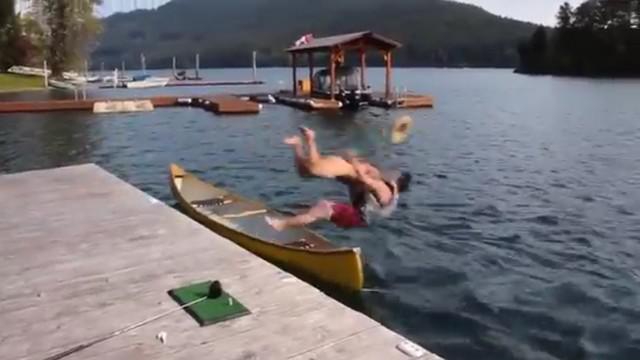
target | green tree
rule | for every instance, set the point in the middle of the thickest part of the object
(6, 16)
(13, 45)
(586, 15)
(601, 41)
(565, 16)
(35, 40)
(6, 12)
(72, 28)
(618, 13)
(58, 46)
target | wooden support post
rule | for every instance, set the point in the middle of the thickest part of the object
(46, 75)
(173, 67)
(197, 66)
(332, 58)
(310, 55)
(255, 69)
(387, 80)
(363, 65)
(294, 74)
(143, 64)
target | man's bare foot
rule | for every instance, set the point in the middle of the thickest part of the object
(293, 140)
(307, 133)
(277, 224)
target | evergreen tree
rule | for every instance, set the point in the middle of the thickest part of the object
(601, 40)
(565, 16)
(586, 15)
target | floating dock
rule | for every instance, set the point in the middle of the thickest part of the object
(85, 254)
(305, 102)
(227, 104)
(406, 101)
(308, 103)
(220, 104)
(193, 83)
(173, 83)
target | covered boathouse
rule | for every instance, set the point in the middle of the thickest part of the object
(341, 86)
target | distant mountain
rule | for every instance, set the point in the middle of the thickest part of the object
(434, 32)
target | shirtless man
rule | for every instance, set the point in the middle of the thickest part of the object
(371, 193)
(325, 166)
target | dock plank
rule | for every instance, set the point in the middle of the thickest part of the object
(84, 253)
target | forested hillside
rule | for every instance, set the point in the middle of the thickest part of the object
(434, 32)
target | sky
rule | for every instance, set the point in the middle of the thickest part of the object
(536, 11)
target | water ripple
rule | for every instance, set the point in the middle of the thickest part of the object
(518, 240)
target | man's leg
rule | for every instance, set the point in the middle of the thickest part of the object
(299, 158)
(310, 137)
(320, 211)
(328, 166)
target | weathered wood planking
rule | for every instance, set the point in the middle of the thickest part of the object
(83, 254)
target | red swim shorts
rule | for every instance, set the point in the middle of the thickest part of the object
(346, 216)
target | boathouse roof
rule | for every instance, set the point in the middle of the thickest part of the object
(357, 39)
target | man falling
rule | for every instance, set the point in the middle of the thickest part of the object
(372, 192)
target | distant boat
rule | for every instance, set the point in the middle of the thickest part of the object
(69, 76)
(150, 82)
(62, 85)
(79, 79)
(348, 87)
(26, 70)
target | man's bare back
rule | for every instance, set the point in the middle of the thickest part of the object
(326, 166)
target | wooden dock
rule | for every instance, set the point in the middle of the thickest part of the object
(229, 104)
(174, 83)
(84, 254)
(406, 101)
(220, 104)
(309, 103)
(194, 83)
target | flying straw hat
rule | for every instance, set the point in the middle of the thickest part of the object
(401, 128)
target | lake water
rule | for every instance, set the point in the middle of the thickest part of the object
(520, 238)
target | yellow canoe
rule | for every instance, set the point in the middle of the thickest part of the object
(300, 251)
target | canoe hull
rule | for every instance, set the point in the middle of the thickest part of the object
(339, 267)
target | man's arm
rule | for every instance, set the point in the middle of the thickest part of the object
(375, 185)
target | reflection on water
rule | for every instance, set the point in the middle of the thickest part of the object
(518, 240)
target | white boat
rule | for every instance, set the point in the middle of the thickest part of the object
(69, 76)
(75, 78)
(26, 70)
(63, 85)
(150, 82)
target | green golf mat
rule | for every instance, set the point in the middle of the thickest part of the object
(208, 311)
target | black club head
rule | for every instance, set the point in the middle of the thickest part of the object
(215, 290)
